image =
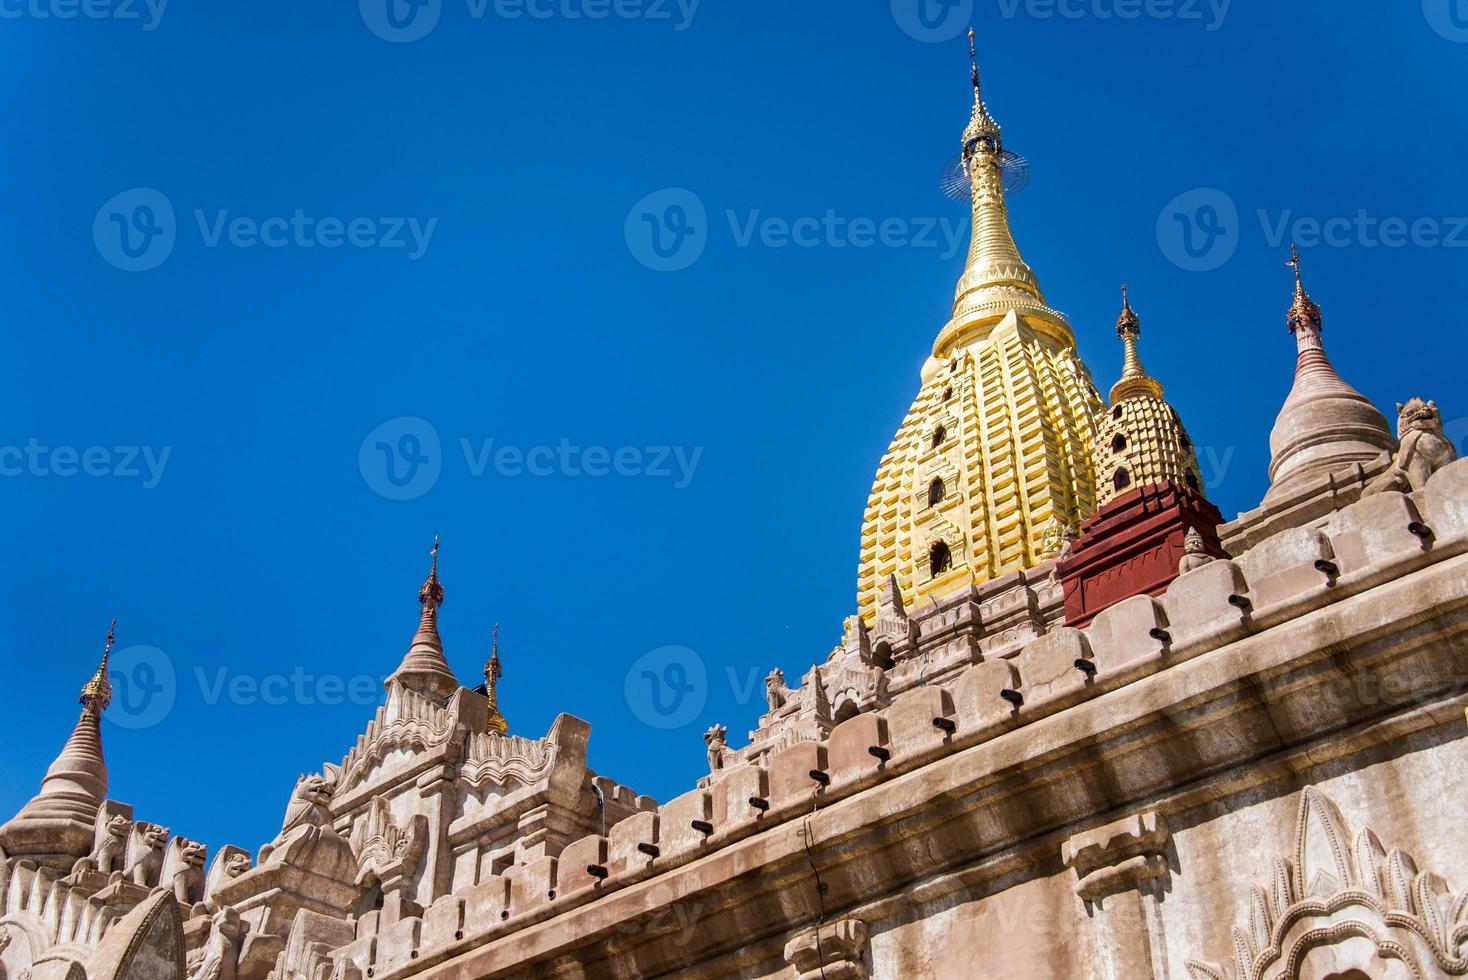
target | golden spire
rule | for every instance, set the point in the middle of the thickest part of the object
(432, 591)
(492, 674)
(97, 694)
(995, 279)
(1134, 381)
(982, 126)
(1304, 312)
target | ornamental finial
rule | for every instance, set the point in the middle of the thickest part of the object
(1304, 312)
(1128, 322)
(973, 57)
(1135, 381)
(98, 691)
(982, 128)
(493, 671)
(432, 591)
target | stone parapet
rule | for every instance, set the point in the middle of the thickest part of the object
(1230, 663)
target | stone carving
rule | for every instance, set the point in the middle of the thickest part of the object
(1336, 906)
(716, 740)
(1052, 539)
(1126, 854)
(309, 807)
(776, 693)
(218, 959)
(110, 851)
(830, 952)
(145, 853)
(813, 700)
(1424, 449)
(503, 758)
(1195, 552)
(183, 870)
(229, 864)
(385, 851)
(855, 639)
(409, 720)
(147, 944)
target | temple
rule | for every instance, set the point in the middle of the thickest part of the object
(1076, 725)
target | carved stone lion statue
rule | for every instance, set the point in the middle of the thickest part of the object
(310, 806)
(111, 848)
(183, 870)
(776, 693)
(145, 853)
(1424, 449)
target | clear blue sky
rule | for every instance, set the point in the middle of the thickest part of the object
(268, 546)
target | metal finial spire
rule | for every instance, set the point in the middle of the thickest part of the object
(973, 57)
(982, 128)
(496, 724)
(98, 690)
(1304, 312)
(432, 591)
(1135, 382)
(1128, 322)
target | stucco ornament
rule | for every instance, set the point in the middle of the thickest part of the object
(1424, 449)
(309, 807)
(1338, 905)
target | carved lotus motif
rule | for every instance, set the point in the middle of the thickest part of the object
(1338, 905)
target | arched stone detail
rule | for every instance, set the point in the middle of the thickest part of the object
(148, 944)
(1340, 906)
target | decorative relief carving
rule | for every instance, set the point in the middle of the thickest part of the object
(832, 951)
(1123, 855)
(1338, 905)
(409, 720)
(386, 851)
(504, 758)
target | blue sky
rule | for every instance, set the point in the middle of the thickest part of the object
(369, 230)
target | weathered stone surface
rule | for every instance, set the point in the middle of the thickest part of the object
(1289, 565)
(1049, 669)
(1128, 635)
(850, 749)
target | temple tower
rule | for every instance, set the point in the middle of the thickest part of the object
(58, 825)
(1325, 425)
(424, 669)
(1141, 441)
(997, 444)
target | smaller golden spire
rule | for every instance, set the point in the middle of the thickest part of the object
(432, 590)
(1304, 312)
(1134, 381)
(97, 694)
(496, 725)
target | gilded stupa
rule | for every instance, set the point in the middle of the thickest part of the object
(996, 449)
(1141, 441)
